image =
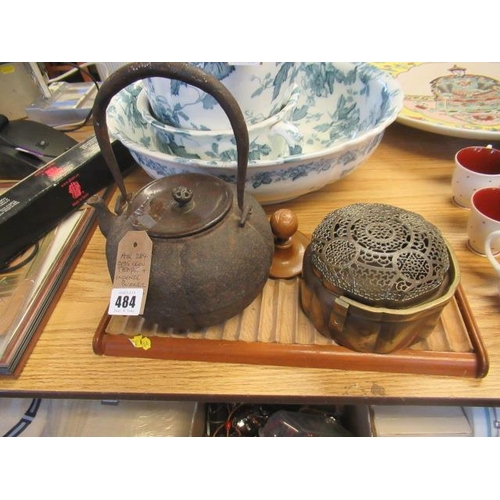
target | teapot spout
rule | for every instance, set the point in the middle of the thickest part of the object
(104, 216)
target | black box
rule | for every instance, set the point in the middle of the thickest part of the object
(36, 204)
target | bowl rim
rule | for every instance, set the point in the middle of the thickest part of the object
(142, 105)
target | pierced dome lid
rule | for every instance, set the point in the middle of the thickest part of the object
(379, 254)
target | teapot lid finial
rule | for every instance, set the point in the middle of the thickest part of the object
(180, 205)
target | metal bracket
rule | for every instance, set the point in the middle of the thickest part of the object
(338, 315)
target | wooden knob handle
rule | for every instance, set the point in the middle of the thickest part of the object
(289, 245)
(284, 224)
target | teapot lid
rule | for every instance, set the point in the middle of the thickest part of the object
(180, 205)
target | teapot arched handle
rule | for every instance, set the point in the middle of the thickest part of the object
(184, 72)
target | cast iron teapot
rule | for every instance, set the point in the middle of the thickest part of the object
(212, 244)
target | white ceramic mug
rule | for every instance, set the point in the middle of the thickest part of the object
(484, 218)
(493, 242)
(475, 167)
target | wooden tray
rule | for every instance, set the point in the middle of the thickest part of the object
(273, 330)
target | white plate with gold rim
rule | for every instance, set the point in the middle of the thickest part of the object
(458, 99)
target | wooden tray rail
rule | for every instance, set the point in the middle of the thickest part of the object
(273, 330)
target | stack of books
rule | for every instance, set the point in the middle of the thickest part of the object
(31, 282)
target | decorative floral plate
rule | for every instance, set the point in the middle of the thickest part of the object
(459, 99)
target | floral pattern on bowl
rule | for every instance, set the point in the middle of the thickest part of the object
(342, 113)
(269, 138)
(260, 89)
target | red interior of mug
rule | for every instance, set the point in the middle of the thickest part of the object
(487, 201)
(480, 159)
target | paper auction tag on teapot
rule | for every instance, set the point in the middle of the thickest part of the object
(131, 278)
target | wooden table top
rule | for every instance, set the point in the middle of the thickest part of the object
(411, 169)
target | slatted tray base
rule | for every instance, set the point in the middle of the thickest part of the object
(273, 330)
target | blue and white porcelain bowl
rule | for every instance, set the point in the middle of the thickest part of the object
(342, 113)
(261, 90)
(269, 139)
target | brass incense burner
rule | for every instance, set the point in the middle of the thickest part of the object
(376, 277)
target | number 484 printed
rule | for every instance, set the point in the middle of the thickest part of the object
(125, 301)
